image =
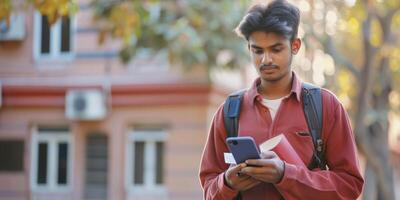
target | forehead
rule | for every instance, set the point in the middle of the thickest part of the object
(266, 39)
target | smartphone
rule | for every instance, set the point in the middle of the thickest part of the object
(243, 148)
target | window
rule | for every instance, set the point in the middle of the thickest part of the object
(145, 156)
(51, 160)
(53, 41)
(11, 155)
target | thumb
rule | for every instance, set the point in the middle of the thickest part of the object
(268, 154)
(237, 168)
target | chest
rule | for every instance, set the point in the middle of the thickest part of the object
(289, 120)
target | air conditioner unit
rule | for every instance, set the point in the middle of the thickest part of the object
(16, 29)
(85, 105)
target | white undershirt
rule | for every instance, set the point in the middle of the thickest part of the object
(272, 105)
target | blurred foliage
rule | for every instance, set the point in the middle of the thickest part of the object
(53, 9)
(5, 9)
(386, 47)
(348, 49)
(201, 33)
(365, 45)
(192, 32)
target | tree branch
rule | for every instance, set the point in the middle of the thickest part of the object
(331, 49)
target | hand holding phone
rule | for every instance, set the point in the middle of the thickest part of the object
(243, 148)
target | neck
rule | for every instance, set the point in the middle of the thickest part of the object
(276, 89)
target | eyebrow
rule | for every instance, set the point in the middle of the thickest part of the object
(272, 46)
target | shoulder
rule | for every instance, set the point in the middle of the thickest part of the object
(331, 105)
(241, 94)
(237, 93)
(233, 102)
(230, 100)
(329, 99)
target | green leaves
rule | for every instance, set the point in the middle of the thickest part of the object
(54, 9)
(193, 32)
(5, 9)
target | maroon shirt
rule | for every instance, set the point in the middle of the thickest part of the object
(342, 181)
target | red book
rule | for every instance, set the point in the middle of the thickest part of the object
(281, 146)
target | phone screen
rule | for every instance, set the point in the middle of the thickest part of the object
(243, 148)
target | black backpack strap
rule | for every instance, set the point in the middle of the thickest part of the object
(232, 112)
(312, 102)
(231, 117)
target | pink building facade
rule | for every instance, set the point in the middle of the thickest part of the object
(77, 124)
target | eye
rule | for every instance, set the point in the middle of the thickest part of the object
(258, 51)
(276, 50)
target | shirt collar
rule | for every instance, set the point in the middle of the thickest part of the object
(296, 89)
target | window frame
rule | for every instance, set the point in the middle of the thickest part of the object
(22, 169)
(150, 138)
(55, 54)
(52, 138)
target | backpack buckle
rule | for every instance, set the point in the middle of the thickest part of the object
(319, 145)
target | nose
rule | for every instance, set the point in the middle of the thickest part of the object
(266, 58)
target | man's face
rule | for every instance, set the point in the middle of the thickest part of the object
(271, 54)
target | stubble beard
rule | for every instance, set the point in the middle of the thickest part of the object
(273, 78)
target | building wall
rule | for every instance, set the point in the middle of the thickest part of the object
(146, 92)
(184, 121)
(142, 93)
(91, 63)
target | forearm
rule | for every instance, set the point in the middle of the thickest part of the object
(301, 183)
(212, 166)
(215, 188)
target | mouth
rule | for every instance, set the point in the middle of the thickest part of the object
(267, 68)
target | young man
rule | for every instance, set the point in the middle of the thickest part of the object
(273, 105)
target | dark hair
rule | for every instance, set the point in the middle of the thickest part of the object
(278, 17)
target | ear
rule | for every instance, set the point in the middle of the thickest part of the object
(296, 44)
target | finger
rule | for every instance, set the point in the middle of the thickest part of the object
(260, 162)
(250, 184)
(243, 178)
(255, 171)
(268, 154)
(233, 169)
(264, 174)
(237, 176)
(239, 182)
(269, 178)
(232, 179)
(237, 168)
(242, 175)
